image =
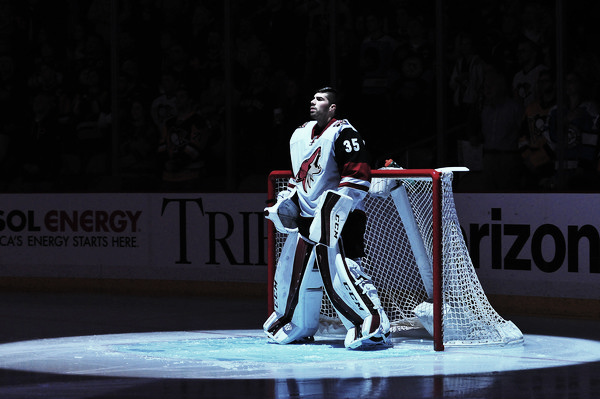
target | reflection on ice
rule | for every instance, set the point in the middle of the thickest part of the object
(248, 354)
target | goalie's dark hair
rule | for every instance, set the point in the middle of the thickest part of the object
(332, 95)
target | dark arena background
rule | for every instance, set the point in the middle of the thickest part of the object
(129, 270)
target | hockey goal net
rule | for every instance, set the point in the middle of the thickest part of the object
(417, 259)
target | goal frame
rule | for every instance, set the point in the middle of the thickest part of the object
(435, 176)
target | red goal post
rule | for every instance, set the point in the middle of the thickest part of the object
(415, 255)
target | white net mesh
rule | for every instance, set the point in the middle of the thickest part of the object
(468, 317)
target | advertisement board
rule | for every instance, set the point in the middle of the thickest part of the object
(209, 237)
(521, 244)
(533, 244)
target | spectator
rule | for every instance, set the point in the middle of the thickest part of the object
(525, 80)
(501, 118)
(466, 83)
(177, 60)
(91, 113)
(581, 140)
(288, 114)
(13, 105)
(184, 145)
(211, 107)
(410, 93)
(37, 149)
(533, 143)
(466, 78)
(503, 52)
(131, 84)
(256, 111)
(165, 105)
(376, 54)
(137, 149)
(249, 49)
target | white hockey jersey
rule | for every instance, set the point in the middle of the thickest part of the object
(334, 159)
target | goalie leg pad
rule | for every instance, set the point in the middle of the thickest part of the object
(332, 212)
(354, 298)
(355, 287)
(303, 324)
(345, 300)
(297, 293)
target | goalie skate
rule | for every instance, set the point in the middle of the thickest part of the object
(368, 336)
(288, 333)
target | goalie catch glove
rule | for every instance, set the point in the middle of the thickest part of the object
(284, 214)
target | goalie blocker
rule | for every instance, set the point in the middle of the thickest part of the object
(332, 212)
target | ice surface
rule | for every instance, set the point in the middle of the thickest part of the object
(248, 354)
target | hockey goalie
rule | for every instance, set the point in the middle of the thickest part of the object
(321, 213)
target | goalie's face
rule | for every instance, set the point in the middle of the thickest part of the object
(321, 109)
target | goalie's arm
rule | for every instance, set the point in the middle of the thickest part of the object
(352, 158)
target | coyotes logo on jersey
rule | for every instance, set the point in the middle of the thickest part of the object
(309, 168)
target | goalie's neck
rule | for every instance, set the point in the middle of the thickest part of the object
(318, 130)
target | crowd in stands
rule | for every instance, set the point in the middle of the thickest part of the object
(60, 107)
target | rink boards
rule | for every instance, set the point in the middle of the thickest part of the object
(528, 245)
